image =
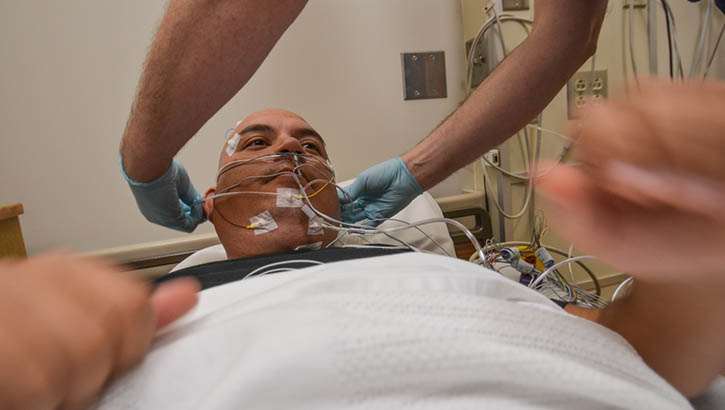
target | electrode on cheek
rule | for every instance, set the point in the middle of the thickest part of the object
(263, 223)
(314, 226)
(289, 198)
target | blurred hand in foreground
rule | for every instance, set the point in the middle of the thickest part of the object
(649, 196)
(69, 324)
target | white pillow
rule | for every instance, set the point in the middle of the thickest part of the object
(213, 253)
(421, 208)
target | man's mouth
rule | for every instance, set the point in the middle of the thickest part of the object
(288, 173)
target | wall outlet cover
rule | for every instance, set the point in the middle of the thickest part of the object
(513, 5)
(586, 88)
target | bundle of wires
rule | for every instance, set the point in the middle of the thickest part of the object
(700, 56)
(530, 158)
(531, 264)
(548, 281)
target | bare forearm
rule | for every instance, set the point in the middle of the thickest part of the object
(564, 36)
(203, 54)
(677, 329)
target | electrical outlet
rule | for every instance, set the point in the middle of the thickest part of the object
(584, 88)
(638, 4)
(493, 156)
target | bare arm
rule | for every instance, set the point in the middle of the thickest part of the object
(204, 52)
(677, 328)
(565, 34)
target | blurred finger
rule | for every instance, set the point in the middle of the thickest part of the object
(567, 200)
(688, 193)
(673, 126)
(123, 305)
(173, 299)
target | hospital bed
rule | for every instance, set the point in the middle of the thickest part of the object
(159, 258)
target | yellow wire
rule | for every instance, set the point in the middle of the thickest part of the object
(318, 191)
(255, 226)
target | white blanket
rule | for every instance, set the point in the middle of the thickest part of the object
(405, 331)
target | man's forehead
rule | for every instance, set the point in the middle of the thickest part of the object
(274, 118)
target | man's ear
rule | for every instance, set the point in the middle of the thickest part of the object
(209, 203)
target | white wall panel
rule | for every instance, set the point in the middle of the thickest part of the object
(69, 71)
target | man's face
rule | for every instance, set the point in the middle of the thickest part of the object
(257, 182)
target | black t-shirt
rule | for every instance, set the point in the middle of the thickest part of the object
(223, 272)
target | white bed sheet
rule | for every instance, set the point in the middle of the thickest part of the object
(405, 331)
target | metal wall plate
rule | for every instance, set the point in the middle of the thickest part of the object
(481, 70)
(424, 75)
(512, 5)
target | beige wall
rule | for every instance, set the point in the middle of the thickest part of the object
(69, 70)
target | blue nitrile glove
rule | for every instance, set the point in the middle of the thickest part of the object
(170, 200)
(379, 192)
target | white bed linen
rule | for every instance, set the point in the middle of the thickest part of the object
(405, 331)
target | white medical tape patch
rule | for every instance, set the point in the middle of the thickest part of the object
(263, 223)
(315, 227)
(232, 144)
(312, 246)
(315, 224)
(287, 198)
(308, 211)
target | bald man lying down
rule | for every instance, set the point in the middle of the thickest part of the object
(383, 330)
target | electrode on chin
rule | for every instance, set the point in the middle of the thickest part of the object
(263, 223)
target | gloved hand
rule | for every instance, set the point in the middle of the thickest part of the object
(170, 200)
(379, 192)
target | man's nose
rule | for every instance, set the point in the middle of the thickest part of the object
(289, 144)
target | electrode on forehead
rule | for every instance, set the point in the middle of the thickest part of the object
(263, 223)
(289, 198)
(233, 143)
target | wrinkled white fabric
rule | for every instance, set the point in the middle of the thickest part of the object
(405, 331)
